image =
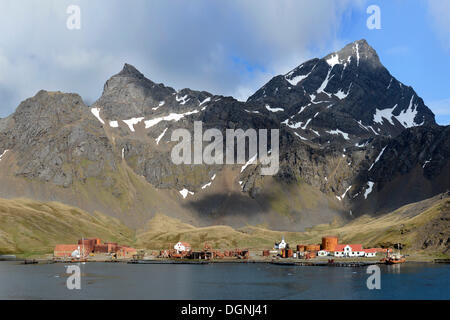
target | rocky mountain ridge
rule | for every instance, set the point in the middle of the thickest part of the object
(351, 136)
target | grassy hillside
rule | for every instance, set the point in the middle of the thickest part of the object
(30, 227)
(164, 232)
(419, 226)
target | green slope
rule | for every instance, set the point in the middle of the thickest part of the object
(30, 227)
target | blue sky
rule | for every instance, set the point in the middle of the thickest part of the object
(228, 47)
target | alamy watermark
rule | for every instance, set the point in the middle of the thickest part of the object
(192, 152)
(74, 280)
(73, 22)
(374, 20)
(374, 281)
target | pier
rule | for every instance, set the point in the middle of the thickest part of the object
(352, 264)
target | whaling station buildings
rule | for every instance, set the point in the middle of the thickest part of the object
(91, 246)
(329, 247)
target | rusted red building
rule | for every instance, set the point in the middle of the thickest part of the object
(93, 245)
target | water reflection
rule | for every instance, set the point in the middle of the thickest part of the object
(394, 268)
(223, 281)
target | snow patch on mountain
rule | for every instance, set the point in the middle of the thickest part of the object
(131, 122)
(297, 79)
(325, 83)
(274, 109)
(303, 138)
(249, 111)
(204, 101)
(182, 100)
(161, 103)
(96, 113)
(334, 60)
(406, 117)
(337, 132)
(384, 114)
(171, 117)
(4, 152)
(303, 108)
(378, 158)
(341, 94)
(185, 192)
(161, 136)
(368, 189)
(249, 162)
(209, 183)
(357, 53)
(340, 198)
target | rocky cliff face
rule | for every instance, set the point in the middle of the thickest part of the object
(49, 134)
(348, 93)
(351, 138)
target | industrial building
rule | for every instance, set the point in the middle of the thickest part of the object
(93, 246)
(329, 247)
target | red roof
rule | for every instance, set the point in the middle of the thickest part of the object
(185, 244)
(355, 247)
(371, 250)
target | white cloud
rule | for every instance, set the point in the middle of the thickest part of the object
(440, 12)
(226, 47)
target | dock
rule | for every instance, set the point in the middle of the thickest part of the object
(352, 264)
(447, 261)
(168, 262)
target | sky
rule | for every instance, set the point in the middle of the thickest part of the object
(228, 47)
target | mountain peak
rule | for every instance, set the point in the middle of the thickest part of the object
(350, 85)
(130, 71)
(364, 49)
(358, 51)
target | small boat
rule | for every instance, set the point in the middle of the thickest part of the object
(79, 255)
(395, 258)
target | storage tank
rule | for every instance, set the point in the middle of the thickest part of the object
(289, 253)
(329, 243)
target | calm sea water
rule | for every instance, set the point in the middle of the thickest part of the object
(220, 281)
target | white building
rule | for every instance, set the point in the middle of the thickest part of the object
(281, 245)
(349, 250)
(369, 253)
(323, 253)
(182, 247)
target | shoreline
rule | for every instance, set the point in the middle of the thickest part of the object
(281, 262)
(419, 257)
